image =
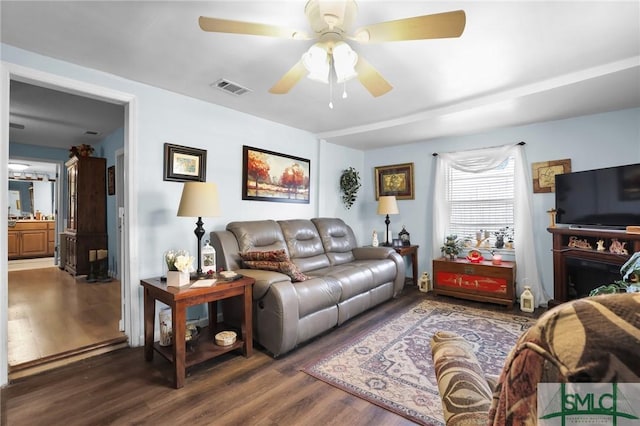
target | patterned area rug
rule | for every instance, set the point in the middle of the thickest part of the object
(392, 367)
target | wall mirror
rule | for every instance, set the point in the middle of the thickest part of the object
(28, 197)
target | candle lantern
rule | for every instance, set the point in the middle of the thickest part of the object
(208, 259)
(404, 237)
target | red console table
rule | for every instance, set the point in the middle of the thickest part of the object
(483, 282)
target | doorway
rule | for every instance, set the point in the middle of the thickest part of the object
(10, 73)
(41, 328)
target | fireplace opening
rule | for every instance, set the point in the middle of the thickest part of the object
(585, 275)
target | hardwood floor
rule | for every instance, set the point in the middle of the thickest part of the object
(52, 314)
(121, 388)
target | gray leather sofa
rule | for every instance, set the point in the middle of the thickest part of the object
(340, 279)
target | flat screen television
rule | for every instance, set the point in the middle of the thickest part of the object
(606, 198)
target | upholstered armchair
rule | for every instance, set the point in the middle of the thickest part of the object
(590, 340)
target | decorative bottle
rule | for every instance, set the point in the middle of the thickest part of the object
(208, 259)
(374, 241)
(526, 300)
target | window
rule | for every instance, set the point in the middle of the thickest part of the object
(482, 200)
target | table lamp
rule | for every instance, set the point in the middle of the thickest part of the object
(387, 205)
(199, 199)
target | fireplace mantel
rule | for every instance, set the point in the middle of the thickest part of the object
(562, 253)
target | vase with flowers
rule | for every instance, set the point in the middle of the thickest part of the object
(179, 265)
(83, 150)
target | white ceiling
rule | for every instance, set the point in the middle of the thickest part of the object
(516, 62)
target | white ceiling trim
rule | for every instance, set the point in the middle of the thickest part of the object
(496, 100)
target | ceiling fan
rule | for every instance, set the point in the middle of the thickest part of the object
(330, 22)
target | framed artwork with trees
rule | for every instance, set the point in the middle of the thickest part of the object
(271, 176)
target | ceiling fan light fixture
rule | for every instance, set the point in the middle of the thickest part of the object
(18, 167)
(344, 62)
(316, 61)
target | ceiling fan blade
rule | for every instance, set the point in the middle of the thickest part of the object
(439, 25)
(371, 78)
(290, 79)
(238, 27)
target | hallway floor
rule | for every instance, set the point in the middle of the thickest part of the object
(52, 312)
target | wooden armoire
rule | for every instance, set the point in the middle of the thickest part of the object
(86, 225)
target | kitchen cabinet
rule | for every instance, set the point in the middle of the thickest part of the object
(31, 239)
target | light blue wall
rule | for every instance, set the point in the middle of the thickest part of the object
(593, 141)
(162, 116)
(108, 147)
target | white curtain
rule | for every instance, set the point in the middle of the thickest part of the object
(481, 160)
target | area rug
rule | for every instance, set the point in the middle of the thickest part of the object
(391, 366)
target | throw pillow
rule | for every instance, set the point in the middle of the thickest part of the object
(272, 255)
(288, 268)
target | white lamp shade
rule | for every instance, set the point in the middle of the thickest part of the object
(199, 199)
(316, 61)
(387, 205)
(344, 62)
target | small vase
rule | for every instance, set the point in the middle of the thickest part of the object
(452, 256)
(177, 278)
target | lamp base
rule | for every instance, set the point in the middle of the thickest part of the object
(386, 245)
(200, 276)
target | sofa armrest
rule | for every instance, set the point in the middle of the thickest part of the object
(264, 280)
(466, 396)
(368, 253)
(361, 253)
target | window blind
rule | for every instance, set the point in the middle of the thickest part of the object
(482, 200)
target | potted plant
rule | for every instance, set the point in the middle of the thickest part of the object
(504, 235)
(630, 272)
(452, 247)
(349, 185)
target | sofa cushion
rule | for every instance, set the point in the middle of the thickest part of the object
(304, 244)
(269, 255)
(257, 235)
(287, 267)
(338, 239)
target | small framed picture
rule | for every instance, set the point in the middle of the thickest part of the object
(396, 179)
(183, 164)
(111, 180)
(544, 174)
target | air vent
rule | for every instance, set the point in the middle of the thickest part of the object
(16, 126)
(230, 87)
(91, 133)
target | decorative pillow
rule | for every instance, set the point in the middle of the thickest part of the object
(288, 268)
(272, 256)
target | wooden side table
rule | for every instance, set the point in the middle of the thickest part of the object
(413, 252)
(179, 298)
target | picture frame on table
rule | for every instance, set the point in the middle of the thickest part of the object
(184, 164)
(395, 179)
(272, 176)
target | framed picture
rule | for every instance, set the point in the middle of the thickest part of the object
(270, 176)
(111, 180)
(182, 164)
(544, 174)
(396, 179)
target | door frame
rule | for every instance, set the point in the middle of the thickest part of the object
(130, 296)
